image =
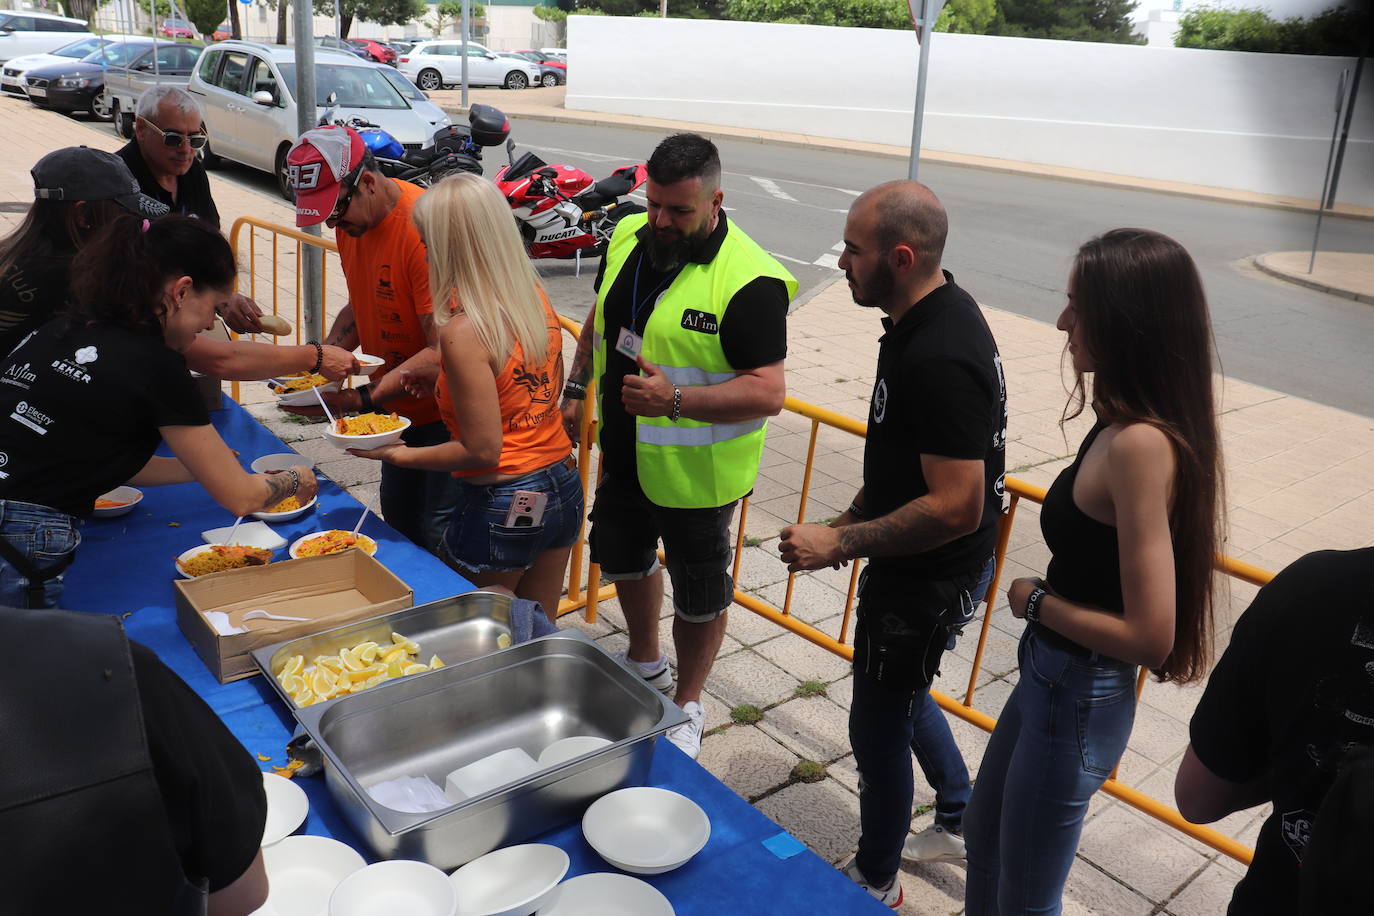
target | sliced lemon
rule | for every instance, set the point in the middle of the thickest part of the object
(351, 660)
(410, 645)
(414, 668)
(293, 665)
(367, 651)
(373, 681)
(393, 668)
(392, 655)
(332, 662)
(503, 641)
(435, 662)
(322, 682)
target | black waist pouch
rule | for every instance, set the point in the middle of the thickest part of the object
(904, 625)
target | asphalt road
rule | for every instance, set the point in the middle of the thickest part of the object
(1012, 239)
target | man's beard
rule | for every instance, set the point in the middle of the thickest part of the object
(878, 289)
(669, 255)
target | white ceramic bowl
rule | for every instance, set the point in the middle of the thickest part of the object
(278, 517)
(186, 555)
(397, 887)
(605, 894)
(302, 871)
(306, 397)
(128, 497)
(370, 545)
(369, 364)
(373, 440)
(568, 748)
(645, 830)
(287, 807)
(280, 462)
(488, 773)
(514, 881)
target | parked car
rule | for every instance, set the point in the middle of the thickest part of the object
(375, 50)
(24, 32)
(556, 52)
(540, 57)
(80, 85)
(552, 71)
(12, 74)
(418, 99)
(337, 44)
(223, 32)
(435, 64)
(246, 90)
(124, 85)
(176, 28)
(402, 45)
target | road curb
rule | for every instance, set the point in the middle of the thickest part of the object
(1260, 262)
(1005, 166)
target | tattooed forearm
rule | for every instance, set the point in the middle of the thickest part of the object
(344, 333)
(279, 487)
(582, 359)
(912, 528)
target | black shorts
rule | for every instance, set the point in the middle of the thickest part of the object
(626, 529)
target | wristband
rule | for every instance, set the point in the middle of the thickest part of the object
(319, 356)
(676, 413)
(575, 391)
(295, 482)
(365, 396)
(1033, 604)
(856, 511)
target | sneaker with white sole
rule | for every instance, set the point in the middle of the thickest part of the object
(658, 674)
(890, 897)
(934, 844)
(687, 736)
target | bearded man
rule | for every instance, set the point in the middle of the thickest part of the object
(686, 342)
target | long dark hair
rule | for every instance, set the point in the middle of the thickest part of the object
(54, 227)
(121, 273)
(1143, 316)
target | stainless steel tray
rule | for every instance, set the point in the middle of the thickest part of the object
(456, 629)
(527, 696)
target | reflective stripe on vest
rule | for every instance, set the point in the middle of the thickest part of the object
(690, 463)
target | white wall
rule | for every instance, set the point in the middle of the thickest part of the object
(1258, 122)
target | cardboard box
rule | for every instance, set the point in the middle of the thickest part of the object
(330, 590)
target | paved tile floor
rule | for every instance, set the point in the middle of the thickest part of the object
(1300, 477)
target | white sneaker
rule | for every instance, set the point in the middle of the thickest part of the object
(687, 736)
(934, 844)
(890, 897)
(658, 674)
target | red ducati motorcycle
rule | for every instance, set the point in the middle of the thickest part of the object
(562, 211)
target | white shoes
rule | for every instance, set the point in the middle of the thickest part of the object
(934, 844)
(658, 674)
(891, 896)
(687, 736)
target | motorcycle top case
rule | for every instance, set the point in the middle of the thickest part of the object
(490, 126)
(455, 139)
(382, 143)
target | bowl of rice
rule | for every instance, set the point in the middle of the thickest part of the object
(280, 461)
(369, 430)
(213, 558)
(287, 510)
(336, 541)
(117, 502)
(299, 390)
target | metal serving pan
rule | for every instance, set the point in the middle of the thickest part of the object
(456, 629)
(527, 696)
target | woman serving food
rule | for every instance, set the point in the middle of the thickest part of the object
(94, 392)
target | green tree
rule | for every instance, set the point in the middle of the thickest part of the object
(869, 14)
(968, 17)
(382, 12)
(205, 15)
(1069, 20)
(449, 14)
(1221, 29)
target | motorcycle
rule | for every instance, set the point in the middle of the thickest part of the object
(562, 211)
(455, 148)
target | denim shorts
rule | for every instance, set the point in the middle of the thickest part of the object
(478, 538)
(46, 537)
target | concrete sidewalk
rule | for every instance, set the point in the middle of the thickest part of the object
(1340, 273)
(1300, 478)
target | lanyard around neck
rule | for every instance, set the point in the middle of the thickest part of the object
(637, 304)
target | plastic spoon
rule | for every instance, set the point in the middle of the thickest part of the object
(220, 621)
(362, 518)
(319, 397)
(229, 538)
(260, 614)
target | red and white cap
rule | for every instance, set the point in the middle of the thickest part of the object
(317, 165)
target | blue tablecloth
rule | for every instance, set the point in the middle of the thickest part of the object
(125, 566)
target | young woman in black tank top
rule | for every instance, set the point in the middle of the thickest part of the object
(1132, 526)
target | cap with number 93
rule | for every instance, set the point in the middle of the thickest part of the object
(317, 166)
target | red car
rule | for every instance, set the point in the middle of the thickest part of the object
(375, 50)
(176, 28)
(222, 33)
(539, 57)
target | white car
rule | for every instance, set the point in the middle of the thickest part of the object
(24, 32)
(12, 75)
(246, 89)
(433, 65)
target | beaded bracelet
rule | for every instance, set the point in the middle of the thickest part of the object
(677, 405)
(319, 356)
(295, 482)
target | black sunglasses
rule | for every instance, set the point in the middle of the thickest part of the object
(174, 138)
(350, 186)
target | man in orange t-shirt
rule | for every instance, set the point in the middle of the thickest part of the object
(389, 310)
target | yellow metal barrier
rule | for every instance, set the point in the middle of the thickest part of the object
(584, 588)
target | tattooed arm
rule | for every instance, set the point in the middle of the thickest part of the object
(213, 465)
(344, 333)
(579, 373)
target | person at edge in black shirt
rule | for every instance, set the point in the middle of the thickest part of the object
(78, 191)
(1287, 716)
(926, 515)
(164, 155)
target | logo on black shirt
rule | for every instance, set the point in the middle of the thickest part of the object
(30, 416)
(74, 371)
(880, 401)
(704, 322)
(4, 460)
(19, 376)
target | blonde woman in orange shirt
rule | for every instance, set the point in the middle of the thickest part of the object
(498, 389)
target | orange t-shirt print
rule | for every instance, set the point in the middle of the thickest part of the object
(388, 284)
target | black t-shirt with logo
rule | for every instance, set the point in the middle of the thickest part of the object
(81, 407)
(939, 391)
(753, 333)
(31, 293)
(1291, 695)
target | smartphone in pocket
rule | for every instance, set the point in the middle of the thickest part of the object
(526, 509)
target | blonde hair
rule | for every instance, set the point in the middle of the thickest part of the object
(477, 261)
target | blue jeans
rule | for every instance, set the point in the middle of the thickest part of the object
(418, 503)
(1061, 734)
(43, 536)
(478, 538)
(891, 721)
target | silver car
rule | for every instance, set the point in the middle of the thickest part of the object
(247, 90)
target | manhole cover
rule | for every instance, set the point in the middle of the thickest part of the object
(15, 206)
